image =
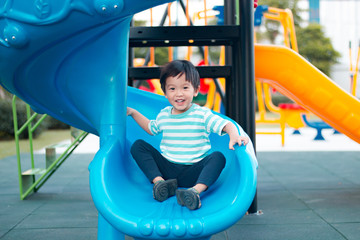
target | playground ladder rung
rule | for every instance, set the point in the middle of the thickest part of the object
(59, 145)
(184, 36)
(268, 121)
(34, 171)
(204, 72)
(265, 132)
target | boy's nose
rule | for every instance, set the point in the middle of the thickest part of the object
(179, 93)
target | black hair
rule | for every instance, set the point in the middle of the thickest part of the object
(176, 67)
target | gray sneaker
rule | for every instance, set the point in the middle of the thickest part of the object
(162, 190)
(189, 198)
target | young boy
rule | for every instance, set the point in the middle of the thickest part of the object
(185, 159)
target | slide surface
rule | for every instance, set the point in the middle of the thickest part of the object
(294, 76)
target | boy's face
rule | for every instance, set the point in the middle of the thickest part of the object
(180, 93)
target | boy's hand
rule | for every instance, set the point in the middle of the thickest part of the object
(129, 111)
(240, 140)
(235, 138)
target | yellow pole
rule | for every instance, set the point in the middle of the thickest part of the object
(188, 23)
(285, 17)
(171, 50)
(152, 49)
(206, 48)
(260, 98)
(293, 39)
(356, 71)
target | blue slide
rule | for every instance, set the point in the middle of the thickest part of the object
(69, 59)
(123, 195)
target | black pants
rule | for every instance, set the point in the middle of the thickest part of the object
(153, 164)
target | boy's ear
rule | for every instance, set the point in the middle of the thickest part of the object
(196, 92)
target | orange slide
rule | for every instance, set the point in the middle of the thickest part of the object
(298, 79)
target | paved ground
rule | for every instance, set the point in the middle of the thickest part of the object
(304, 194)
(305, 141)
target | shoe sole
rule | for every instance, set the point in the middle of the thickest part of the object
(164, 190)
(188, 198)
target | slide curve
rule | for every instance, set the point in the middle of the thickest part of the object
(123, 195)
(298, 79)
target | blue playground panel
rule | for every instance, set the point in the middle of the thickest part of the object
(259, 13)
(69, 59)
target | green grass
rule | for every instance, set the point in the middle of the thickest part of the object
(7, 148)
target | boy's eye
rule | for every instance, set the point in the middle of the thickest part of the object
(172, 89)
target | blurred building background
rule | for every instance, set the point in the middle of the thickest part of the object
(341, 22)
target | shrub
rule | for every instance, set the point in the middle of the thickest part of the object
(317, 48)
(6, 120)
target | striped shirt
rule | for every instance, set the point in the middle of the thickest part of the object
(185, 137)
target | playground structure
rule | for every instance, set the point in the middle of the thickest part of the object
(289, 113)
(64, 54)
(28, 182)
(115, 182)
(309, 88)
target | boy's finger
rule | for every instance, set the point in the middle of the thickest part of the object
(231, 146)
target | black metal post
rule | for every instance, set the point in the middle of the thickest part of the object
(240, 93)
(247, 75)
(229, 19)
